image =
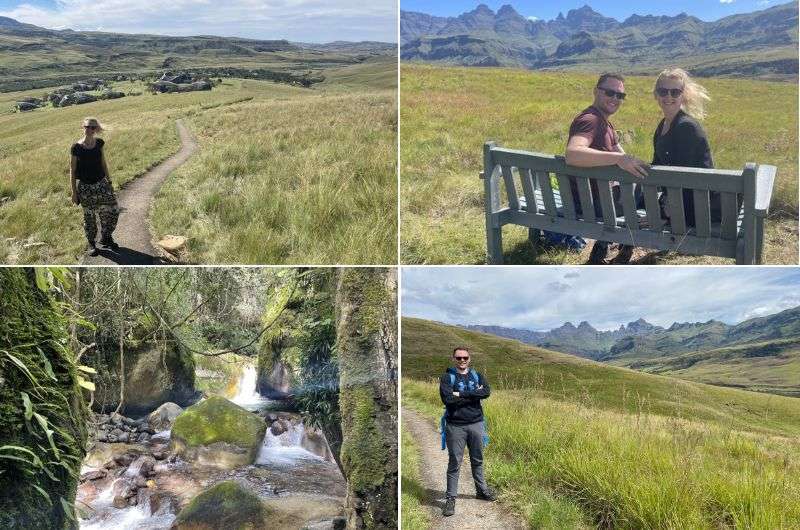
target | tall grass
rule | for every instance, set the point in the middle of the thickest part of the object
(637, 470)
(448, 113)
(290, 180)
(414, 516)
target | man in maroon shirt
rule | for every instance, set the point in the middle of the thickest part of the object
(594, 142)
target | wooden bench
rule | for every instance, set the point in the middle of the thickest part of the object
(744, 197)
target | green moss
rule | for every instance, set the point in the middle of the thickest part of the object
(218, 420)
(226, 505)
(34, 359)
(364, 455)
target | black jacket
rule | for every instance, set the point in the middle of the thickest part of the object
(466, 408)
(685, 144)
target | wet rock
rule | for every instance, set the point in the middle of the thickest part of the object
(143, 437)
(164, 416)
(277, 428)
(124, 437)
(140, 482)
(141, 466)
(159, 455)
(225, 505)
(124, 460)
(271, 417)
(130, 422)
(163, 502)
(102, 436)
(119, 502)
(219, 433)
(314, 441)
(116, 418)
(94, 475)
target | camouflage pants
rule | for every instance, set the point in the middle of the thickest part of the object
(98, 200)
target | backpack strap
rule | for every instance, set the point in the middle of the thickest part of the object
(474, 375)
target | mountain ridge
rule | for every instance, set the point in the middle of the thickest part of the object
(758, 43)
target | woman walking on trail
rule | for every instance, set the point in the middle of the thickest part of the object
(91, 187)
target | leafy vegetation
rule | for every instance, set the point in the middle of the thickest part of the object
(448, 113)
(632, 450)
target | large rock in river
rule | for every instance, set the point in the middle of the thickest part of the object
(164, 416)
(217, 432)
(226, 505)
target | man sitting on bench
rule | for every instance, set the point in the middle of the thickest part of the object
(594, 142)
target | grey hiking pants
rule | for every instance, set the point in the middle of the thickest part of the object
(457, 437)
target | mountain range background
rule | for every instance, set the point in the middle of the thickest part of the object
(758, 44)
(761, 354)
(34, 57)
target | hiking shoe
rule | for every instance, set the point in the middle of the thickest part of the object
(624, 256)
(91, 249)
(599, 252)
(487, 495)
(449, 507)
(109, 243)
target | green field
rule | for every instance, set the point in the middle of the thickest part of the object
(283, 175)
(632, 450)
(448, 113)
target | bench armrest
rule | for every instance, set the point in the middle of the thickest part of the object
(765, 179)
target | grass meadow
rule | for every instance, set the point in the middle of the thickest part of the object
(447, 113)
(283, 175)
(576, 443)
(414, 515)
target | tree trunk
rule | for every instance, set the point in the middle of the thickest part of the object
(366, 341)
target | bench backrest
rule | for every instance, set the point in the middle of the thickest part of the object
(533, 171)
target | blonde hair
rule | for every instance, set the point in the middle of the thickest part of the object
(695, 95)
(89, 120)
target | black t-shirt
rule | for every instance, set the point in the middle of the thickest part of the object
(466, 408)
(90, 162)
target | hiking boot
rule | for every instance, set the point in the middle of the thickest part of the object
(487, 495)
(91, 249)
(449, 507)
(598, 254)
(109, 242)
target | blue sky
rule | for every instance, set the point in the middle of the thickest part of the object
(542, 298)
(295, 20)
(703, 9)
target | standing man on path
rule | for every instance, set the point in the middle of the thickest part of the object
(594, 142)
(462, 389)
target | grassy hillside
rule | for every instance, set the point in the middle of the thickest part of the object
(632, 450)
(512, 365)
(769, 366)
(448, 113)
(284, 174)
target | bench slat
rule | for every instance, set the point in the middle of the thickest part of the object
(585, 194)
(730, 213)
(677, 215)
(653, 209)
(629, 206)
(528, 189)
(567, 201)
(607, 204)
(543, 178)
(511, 189)
(702, 213)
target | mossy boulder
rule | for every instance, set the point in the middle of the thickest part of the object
(226, 505)
(218, 433)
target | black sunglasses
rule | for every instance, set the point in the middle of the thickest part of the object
(613, 93)
(462, 358)
(92, 127)
(674, 92)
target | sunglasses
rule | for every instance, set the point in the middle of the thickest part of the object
(462, 358)
(674, 92)
(92, 127)
(612, 93)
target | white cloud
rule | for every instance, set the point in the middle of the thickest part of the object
(296, 20)
(546, 297)
(763, 3)
(726, 1)
(532, 18)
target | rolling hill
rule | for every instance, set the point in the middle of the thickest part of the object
(762, 43)
(34, 57)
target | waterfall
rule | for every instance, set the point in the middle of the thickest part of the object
(246, 394)
(284, 449)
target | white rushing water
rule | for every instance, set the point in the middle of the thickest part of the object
(246, 394)
(284, 449)
(106, 516)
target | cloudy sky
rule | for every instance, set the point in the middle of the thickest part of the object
(295, 20)
(542, 298)
(707, 10)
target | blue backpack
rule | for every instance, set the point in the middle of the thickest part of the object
(472, 384)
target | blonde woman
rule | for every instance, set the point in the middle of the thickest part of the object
(680, 139)
(91, 186)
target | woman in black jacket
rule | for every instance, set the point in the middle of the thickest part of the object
(680, 139)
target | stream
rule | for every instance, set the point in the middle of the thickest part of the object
(143, 485)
